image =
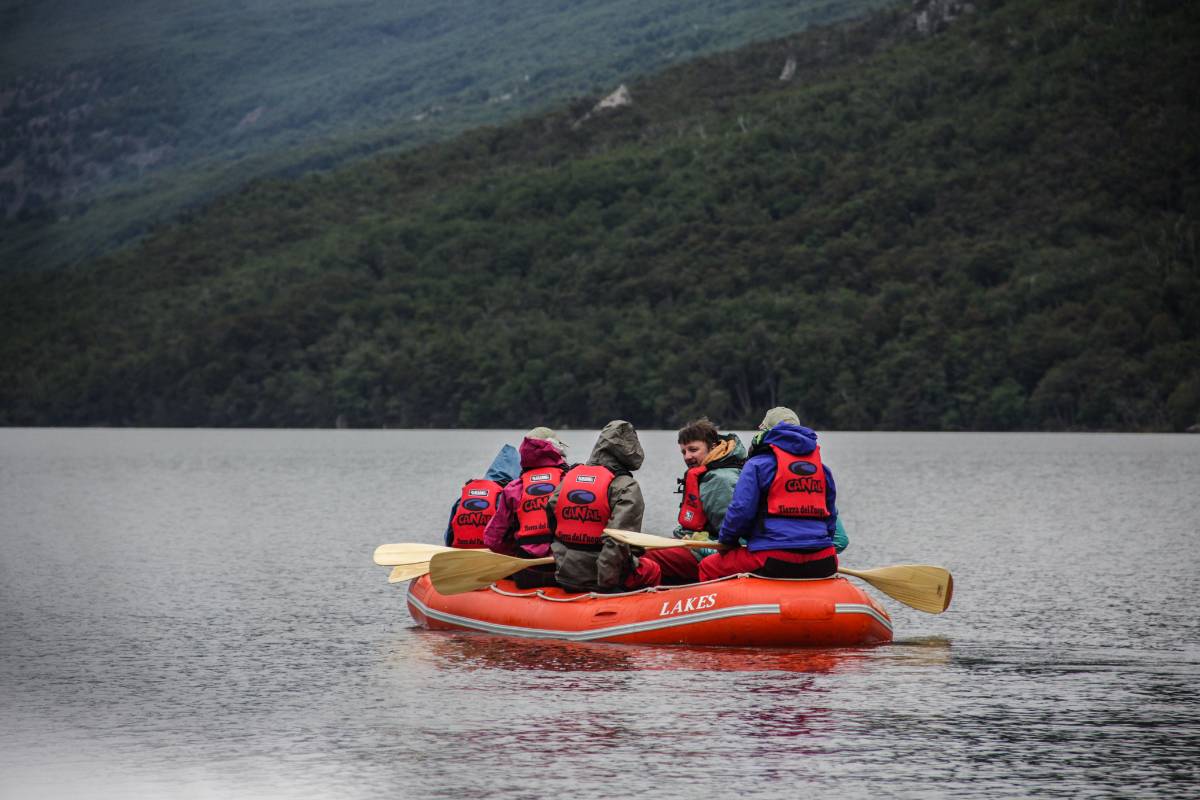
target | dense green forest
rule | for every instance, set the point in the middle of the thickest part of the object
(119, 114)
(989, 224)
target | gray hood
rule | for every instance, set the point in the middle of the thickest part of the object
(618, 447)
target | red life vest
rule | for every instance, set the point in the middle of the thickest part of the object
(691, 510)
(582, 510)
(537, 485)
(799, 486)
(476, 508)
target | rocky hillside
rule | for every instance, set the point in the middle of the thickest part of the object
(116, 115)
(948, 216)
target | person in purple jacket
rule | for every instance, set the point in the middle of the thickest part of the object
(782, 519)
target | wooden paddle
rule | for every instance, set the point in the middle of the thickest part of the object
(461, 571)
(406, 572)
(921, 586)
(649, 541)
(393, 555)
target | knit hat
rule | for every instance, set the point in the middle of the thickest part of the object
(777, 415)
(542, 432)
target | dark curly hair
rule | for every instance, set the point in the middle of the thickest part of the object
(700, 430)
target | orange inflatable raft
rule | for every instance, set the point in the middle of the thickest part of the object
(740, 611)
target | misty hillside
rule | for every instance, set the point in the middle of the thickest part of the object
(967, 216)
(116, 115)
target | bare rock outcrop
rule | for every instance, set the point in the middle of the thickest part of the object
(933, 16)
(617, 99)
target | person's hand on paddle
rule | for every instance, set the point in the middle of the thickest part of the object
(703, 536)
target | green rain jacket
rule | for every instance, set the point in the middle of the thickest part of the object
(724, 464)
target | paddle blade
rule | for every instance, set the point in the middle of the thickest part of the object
(406, 572)
(466, 570)
(924, 587)
(393, 555)
(649, 541)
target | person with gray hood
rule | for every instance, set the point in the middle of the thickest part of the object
(591, 497)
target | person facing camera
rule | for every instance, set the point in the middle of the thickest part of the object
(714, 462)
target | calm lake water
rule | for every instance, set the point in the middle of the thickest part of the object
(195, 614)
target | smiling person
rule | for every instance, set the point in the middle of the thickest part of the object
(714, 462)
(520, 527)
(601, 494)
(783, 508)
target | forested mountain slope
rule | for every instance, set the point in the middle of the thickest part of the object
(118, 114)
(990, 225)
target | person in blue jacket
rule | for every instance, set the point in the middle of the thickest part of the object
(782, 521)
(505, 467)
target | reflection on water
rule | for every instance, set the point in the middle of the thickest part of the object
(921, 651)
(476, 651)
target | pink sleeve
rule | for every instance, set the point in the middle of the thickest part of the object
(495, 535)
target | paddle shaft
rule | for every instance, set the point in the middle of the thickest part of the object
(648, 541)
